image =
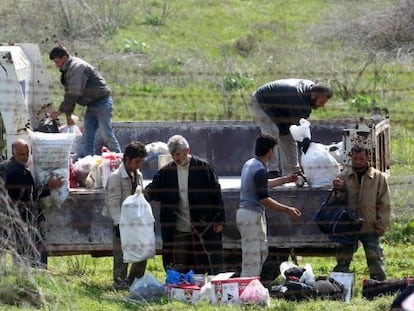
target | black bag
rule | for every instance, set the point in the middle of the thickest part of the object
(299, 291)
(327, 289)
(338, 221)
(374, 288)
(292, 291)
(48, 125)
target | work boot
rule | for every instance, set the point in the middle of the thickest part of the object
(120, 284)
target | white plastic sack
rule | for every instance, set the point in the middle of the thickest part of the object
(51, 155)
(337, 151)
(308, 276)
(301, 131)
(136, 227)
(319, 166)
(77, 140)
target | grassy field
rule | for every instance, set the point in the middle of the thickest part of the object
(84, 283)
(200, 60)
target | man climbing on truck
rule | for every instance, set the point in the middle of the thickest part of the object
(85, 86)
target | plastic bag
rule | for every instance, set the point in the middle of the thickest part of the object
(288, 269)
(147, 288)
(82, 168)
(319, 166)
(51, 155)
(175, 277)
(302, 131)
(136, 226)
(255, 293)
(77, 141)
(308, 275)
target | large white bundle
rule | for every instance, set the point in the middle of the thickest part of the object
(136, 227)
(51, 153)
(301, 131)
(319, 166)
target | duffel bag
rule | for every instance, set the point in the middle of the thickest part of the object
(374, 288)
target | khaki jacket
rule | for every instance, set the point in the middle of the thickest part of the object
(371, 199)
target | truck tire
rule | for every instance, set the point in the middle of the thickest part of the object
(270, 270)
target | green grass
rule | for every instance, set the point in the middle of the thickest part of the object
(85, 283)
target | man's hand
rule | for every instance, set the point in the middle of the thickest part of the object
(55, 182)
(274, 182)
(338, 184)
(218, 228)
(294, 212)
(69, 120)
(55, 114)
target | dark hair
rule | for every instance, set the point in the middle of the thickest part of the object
(357, 148)
(322, 89)
(264, 143)
(134, 150)
(58, 52)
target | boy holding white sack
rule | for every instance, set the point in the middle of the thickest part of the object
(121, 184)
(319, 166)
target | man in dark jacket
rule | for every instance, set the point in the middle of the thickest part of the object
(281, 103)
(192, 211)
(85, 86)
(23, 193)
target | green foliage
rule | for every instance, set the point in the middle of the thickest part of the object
(400, 233)
(363, 103)
(79, 266)
(236, 81)
(156, 12)
(133, 46)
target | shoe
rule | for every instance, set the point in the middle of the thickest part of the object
(273, 174)
(121, 285)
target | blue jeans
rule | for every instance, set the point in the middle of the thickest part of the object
(99, 115)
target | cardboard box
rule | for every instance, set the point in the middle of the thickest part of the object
(183, 292)
(229, 290)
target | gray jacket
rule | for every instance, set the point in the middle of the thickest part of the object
(83, 84)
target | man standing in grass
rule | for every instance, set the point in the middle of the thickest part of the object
(254, 200)
(122, 183)
(279, 104)
(191, 213)
(368, 195)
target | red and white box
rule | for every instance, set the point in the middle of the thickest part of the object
(229, 290)
(183, 292)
